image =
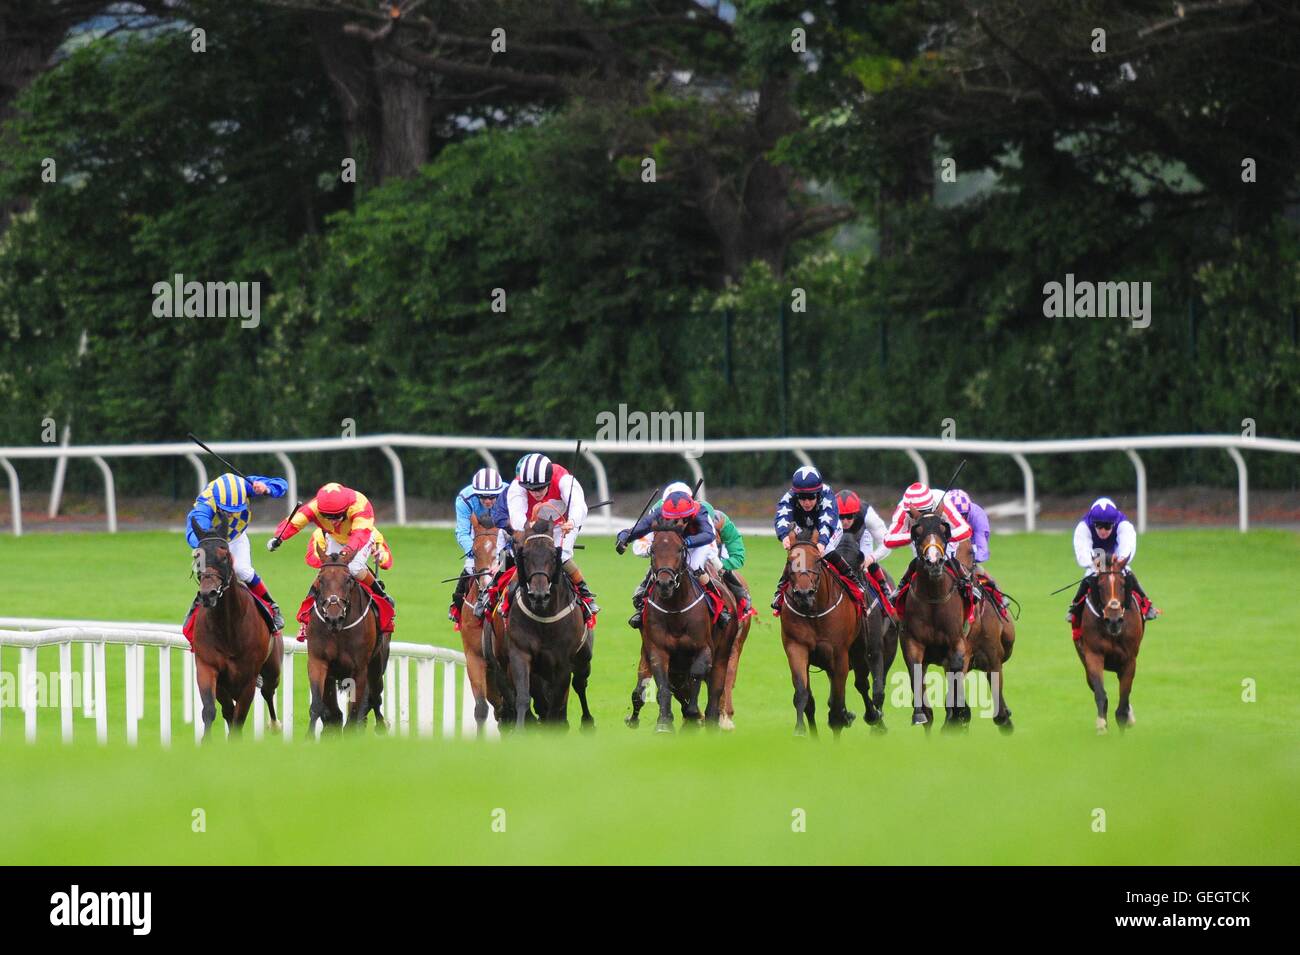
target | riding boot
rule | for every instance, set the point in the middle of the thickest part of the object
(638, 602)
(580, 585)
(733, 583)
(877, 573)
(377, 585)
(1150, 611)
(462, 586)
(258, 588)
(724, 615)
(780, 586)
(484, 596)
(1074, 616)
(900, 595)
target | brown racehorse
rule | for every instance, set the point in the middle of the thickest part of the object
(233, 644)
(992, 638)
(680, 646)
(934, 622)
(1110, 640)
(344, 648)
(819, 627)
(471, 627)
(727, 720)
(546, 639)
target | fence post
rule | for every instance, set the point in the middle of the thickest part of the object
(101, 694)
(30, 676)
(1141, 470)
(1030, 503)
(399, 483)
(132, 697)
(65, 690)
(448, 699)
(424, 697)
(404, 704)
(15, 497)
(165, 695)
(110, 494)
(1243, 490)
(286, 695)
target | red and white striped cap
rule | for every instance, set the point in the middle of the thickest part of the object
(918, 495)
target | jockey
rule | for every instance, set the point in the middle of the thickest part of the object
(810, 506)
(863, 543)
(316, 549)
(695, 521)
(538, 481)
(922, 497)
(229, 494)
(1105, 528)
(979, 539)
(347, 521)
(476, 499)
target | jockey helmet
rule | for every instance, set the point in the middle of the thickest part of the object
(960, 501)
(333, 500)
(229, 493)
(680, 506)
(919, 496)
(535, 471)
(486, 482)
(849, 503)
(1103, 511)
(677, 486)
(806, 480)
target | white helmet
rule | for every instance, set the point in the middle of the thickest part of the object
(487, 482)
(535, 470)
(677, 486)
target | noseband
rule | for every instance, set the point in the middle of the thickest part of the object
(336, 624)
(223, 581)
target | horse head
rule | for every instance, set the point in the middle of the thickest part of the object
(334, 590)
(1110, 583)
(667, 558)
(484, 549)
(212, 561)
(804, 569)
(538, 556)
(930, 534)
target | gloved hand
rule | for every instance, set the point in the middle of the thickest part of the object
(620, 542)
(273, 543)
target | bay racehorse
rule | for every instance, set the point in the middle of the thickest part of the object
(546, 642)
(234, 649)
(933, 625)
(992, 638)
(1110, 637)
(484, 550)
(681, 648)
(820, 625)
(345, 649)
(727, 720)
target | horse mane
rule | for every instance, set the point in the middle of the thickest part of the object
(665, 525)
(542, 525)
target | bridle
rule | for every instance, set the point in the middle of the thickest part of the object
(816, 576)
(670, 578)
(936, 540)
(333, 600)
(1113, 600)
(478, 575)
(522, 604)
(224, 581)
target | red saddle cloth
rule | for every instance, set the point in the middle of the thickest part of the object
(967, 604)
(850, 585)
(189, 626)
(379, 605)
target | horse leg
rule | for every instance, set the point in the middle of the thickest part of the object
(1124, 712)
(638, 691)
(271, 680)
(860, 656)
(318, 679)
(797, 655)
(207, 683)
(1001, 715)
(520, 665)
(359, 704)
(581, 674)
(727, 718)
(663, 688)
(838, 715)
(914, 655)
(1093, 669)
(476, 669)
(702, 667)
(955, 686)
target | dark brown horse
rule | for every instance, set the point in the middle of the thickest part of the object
(992, 638)
(933, 623)
(1112, 628)
(680, 646)
(345, 650)
(871, 656)
(471, 627)
(234, 648)
(727, 720)
(819, 627)
(546, 642)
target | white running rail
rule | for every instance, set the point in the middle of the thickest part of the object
(1018, 451)
(86, 688)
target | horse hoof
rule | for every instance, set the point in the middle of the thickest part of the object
(1006, 727)
(1101, 726)
(849, 717)
(878, 728)
(276, 726)
(800, 731)
(1132, 717)
(920, 719)
(726, 723)
(663, 727)
(588, 725)
(631, 722)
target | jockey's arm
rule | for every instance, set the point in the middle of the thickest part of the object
(900, 529)
(290, 526)
(735, 545)
(781, 522)
(362, 524)
(464, 527)
(202, 515)
(979, 522)
(517, 499)
(576, 499)
(275, 487)
(705, 534)
(1126, 542)
(875, 533)
(1083, 546)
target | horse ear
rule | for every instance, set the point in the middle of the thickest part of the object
(198, 531)
(913, 513)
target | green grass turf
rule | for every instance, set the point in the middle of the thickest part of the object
(1204, 777)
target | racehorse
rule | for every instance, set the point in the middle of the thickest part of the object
(1110, 640)
(819, 627)
(680, 645)
(871, 656)
(727, 720)
(344, 648)
(233, 643)
(933, 624)
(471, 627)
(992, 638)
(547, 643)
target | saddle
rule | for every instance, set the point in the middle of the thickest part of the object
(385, 613)
(851, 587)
